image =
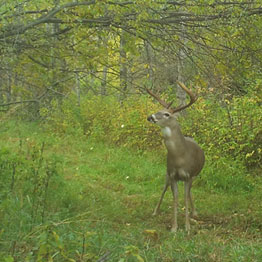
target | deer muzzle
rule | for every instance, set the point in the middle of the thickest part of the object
(152, 119)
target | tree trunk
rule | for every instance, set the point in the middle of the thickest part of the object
(181, 95)
(123, 65)
(149, 57)
(78, 97)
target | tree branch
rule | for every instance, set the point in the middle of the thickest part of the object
(20, 29)
(19, 102)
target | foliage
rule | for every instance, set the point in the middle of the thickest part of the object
(104, 119)
(83, 189)
(112, 47)
(227, 129)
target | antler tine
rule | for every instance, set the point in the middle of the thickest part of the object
(162, 102)
(193, 98)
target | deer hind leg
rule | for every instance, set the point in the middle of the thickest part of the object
(167, 183)
(174, 188)
(193, 209)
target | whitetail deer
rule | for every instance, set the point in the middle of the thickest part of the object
(185, 158)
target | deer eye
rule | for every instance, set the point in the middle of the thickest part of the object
(167, 114)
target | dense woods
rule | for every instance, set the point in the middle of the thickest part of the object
(73, 79)
(50, 49)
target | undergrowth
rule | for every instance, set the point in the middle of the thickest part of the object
(223, 129)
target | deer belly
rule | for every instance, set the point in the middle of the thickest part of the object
(176, 168)
(179, 174)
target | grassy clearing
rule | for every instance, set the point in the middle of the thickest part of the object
(99, 205)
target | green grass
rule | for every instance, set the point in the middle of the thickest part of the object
(100, 200)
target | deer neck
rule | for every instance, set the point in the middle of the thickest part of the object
(174, 140)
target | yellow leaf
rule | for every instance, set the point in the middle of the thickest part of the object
(151, 233)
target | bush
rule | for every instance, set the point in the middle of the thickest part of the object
(106, 120)
(230, 128)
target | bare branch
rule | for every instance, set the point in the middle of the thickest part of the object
(19, 102)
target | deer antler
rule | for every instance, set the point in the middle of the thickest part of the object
(161, 102)
(193, 99)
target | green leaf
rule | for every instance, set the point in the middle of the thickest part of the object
(9, 259)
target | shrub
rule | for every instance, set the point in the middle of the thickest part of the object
(230, 128)
(104, 119)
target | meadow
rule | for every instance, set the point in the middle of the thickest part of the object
(70, 198)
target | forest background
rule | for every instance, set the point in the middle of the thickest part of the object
(81, 169)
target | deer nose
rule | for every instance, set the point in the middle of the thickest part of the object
(151, 119)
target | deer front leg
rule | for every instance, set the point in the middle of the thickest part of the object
(162, 196)
(174, 188)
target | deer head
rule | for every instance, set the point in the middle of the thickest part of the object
(163, 117)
